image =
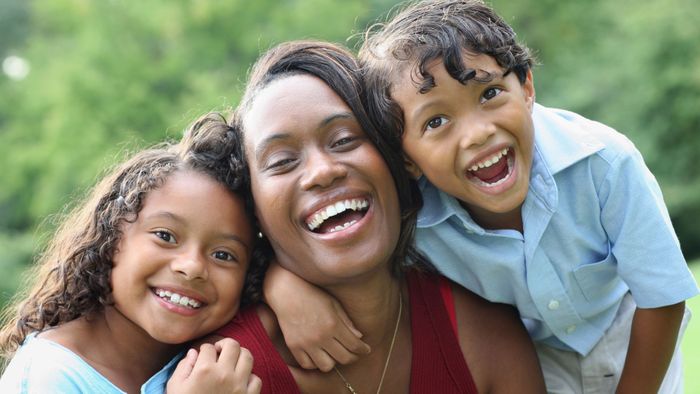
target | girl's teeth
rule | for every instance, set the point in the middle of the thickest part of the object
(178, 299)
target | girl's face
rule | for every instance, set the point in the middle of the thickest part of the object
(179, 268)
(325, 197)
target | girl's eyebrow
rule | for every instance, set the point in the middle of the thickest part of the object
(176, 218)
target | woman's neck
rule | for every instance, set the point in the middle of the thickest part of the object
(372, 305)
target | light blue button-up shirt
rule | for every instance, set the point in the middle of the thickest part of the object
(595, 227)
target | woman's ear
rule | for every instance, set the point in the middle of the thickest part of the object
(411, 167)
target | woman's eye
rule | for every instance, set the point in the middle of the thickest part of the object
(165, 236)
(490, 93)
(280, 163)
(221, 255)
(435, 122)
(343, 142)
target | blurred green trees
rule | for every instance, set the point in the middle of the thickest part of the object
(108, 76)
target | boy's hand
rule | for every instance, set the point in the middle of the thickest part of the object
(315, 326)
(223, 367)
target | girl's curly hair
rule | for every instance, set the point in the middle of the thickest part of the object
(72, 276)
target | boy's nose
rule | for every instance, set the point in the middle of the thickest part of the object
(475, 134)
(321, 170)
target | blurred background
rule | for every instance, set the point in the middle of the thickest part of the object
(84, 81)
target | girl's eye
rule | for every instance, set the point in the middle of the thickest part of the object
(490, 93)
(435, 122)
(221, 255)
(165, 236)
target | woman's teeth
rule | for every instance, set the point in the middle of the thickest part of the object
(177, 299)
(490, 161)
(337, 208)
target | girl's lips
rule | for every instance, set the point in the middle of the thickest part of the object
(179, 301)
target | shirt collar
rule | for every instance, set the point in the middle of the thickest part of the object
(561, 137)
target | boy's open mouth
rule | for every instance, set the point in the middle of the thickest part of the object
(494, 170)
(337, 216)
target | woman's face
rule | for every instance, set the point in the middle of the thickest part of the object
(324, 195)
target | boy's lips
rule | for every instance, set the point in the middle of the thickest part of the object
(493, 171)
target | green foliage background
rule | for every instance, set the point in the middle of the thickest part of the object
(112, 75)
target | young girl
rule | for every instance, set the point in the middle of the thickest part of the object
(156, 257)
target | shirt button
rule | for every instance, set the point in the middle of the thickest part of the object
(571, 329)
(553, 305)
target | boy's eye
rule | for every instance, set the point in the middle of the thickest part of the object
(165, 236)
(221, 255)
(435, 122)
(490, 93)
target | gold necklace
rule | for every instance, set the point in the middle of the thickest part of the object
(388, 356)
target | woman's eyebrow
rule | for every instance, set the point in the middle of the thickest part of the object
(265, 143)
(333, 117)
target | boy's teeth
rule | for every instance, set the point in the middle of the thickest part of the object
(489, 161)
(178, 299)
(334, 209)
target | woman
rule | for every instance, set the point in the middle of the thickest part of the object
(339, 211)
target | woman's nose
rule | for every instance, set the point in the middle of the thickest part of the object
(322, 169)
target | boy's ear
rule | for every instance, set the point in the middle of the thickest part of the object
(529, 90)
(411, 167)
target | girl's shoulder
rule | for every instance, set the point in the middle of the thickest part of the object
(42, 365)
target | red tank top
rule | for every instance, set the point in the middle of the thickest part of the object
(437, 364)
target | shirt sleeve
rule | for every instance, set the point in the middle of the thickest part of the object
(642, 238)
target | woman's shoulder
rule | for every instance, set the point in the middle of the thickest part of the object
(42, 365)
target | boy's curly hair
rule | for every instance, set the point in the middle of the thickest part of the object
(424, 31)
(72, 276)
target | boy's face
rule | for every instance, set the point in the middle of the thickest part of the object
(473, 141)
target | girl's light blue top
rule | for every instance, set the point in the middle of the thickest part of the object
(41, 366)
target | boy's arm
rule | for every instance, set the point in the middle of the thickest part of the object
(316, 329)
(652, 343)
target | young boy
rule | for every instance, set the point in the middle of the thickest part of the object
(531, 206)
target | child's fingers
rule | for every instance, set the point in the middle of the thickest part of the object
(254, 385)
(303, 359)
(346, 320)
(185, 366)
(207, 357)
(351, 342)
(339, 353)
(229, 353)
(244, 366)
(322, 360)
